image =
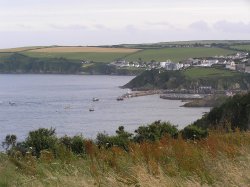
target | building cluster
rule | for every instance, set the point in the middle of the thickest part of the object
(238, 62)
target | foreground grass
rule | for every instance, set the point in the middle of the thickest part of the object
(222, 159)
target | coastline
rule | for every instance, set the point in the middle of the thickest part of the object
(191, 100)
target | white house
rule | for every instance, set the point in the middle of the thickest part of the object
(163, 64)
(231, 65)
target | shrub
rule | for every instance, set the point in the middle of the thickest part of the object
(41, 139)
(76, 144)
(10, 141)
(194, 132)
(155, 131)
(121, 139)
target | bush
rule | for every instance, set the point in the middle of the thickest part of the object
(76, 144)
(155, 131)
(10, 141)
(121, 139)
(194, 132)
(41, 139)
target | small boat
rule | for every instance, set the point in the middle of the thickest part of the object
(91, 109)
(95, 99)
(119, 98)
(12, 103)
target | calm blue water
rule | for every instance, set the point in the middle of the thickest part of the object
(63, 102)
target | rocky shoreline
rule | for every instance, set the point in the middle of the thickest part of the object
(192, 100)
(141, 93)
(183, 97)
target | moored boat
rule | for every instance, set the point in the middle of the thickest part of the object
(95, 99)
(119, 98)
(91, 109)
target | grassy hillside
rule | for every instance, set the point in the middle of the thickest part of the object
(95, 54)
(241, 47)
(222, 159)
(190, 78)
(61, 49)
(234, 113)
(109, 54)
(176, 54)
(199, 72)
(106, 57)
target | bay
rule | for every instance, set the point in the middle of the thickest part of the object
(29, 102)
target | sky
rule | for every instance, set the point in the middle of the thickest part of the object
(108, 22)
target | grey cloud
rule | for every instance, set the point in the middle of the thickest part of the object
(232, 27)
(68, 27)
(199, 25)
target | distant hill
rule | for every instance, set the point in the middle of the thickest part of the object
(19, 63)
(191, 78)
(99, 57)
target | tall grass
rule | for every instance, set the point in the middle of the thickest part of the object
(222, 159)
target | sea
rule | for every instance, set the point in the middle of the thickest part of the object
(29, 102)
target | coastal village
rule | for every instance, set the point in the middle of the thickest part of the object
(237, 62)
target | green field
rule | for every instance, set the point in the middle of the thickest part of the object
(90, 56)
(176, 54)
(241, 47)
(201, 72)
(102, 55)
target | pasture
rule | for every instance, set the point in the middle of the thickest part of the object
(241, 47)
(105, 57)
(176, 54)
(95, 54)
(84, 50)
(109, 54)
(201, 72)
